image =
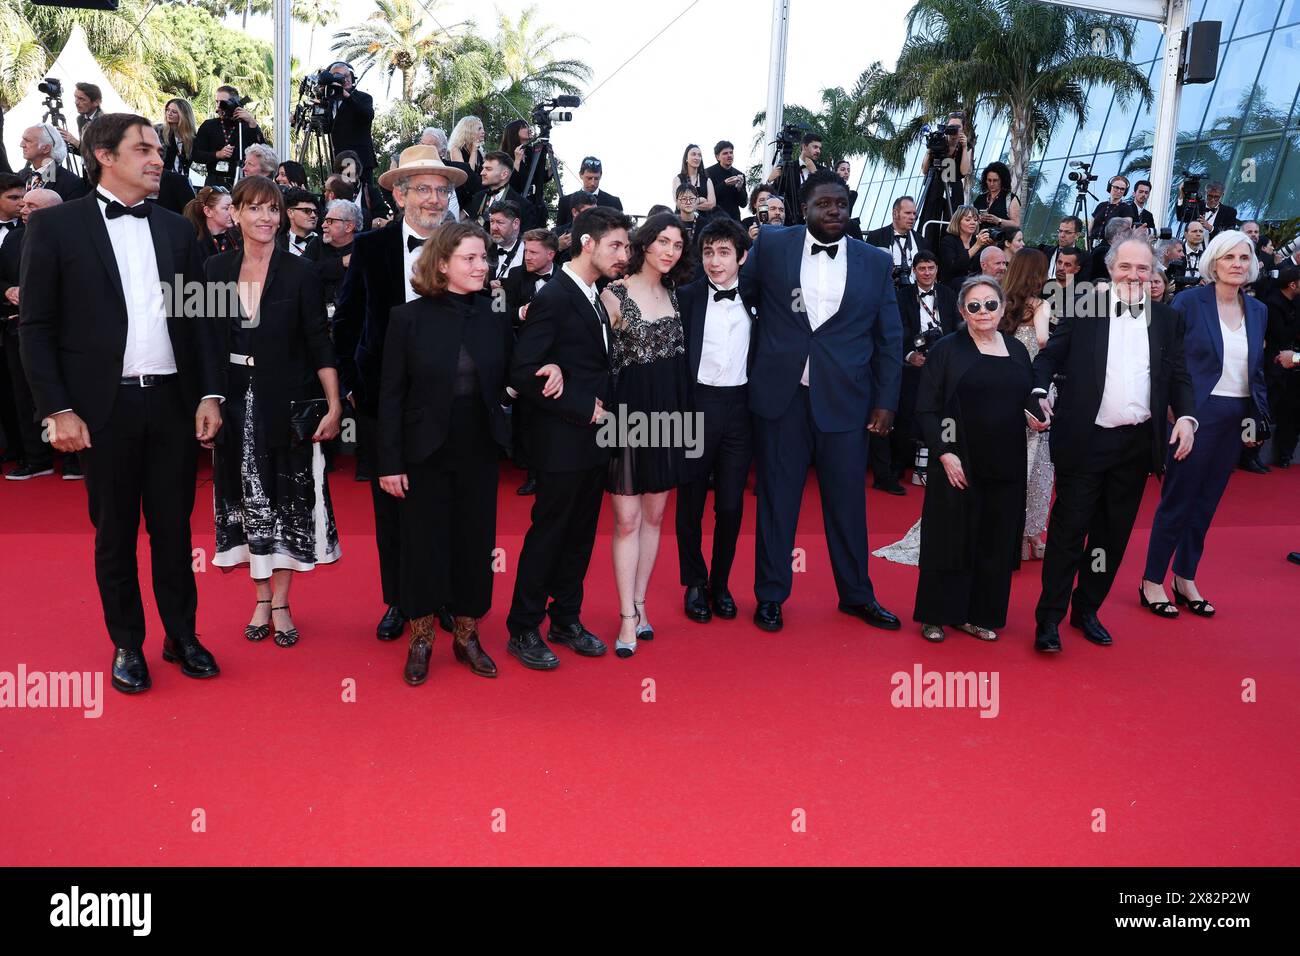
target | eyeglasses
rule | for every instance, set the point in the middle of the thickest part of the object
(307, 210)
(335, 219)
(424, 191)
(989, 305)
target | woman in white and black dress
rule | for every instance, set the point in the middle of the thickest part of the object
(692, 174)
(272, 501)
(648, 353)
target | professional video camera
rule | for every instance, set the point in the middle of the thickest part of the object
(51, 86)
(790, 136)
(902, 275)
(1193, 203)
(552, 111)
(1180, 277)
(1082, 176)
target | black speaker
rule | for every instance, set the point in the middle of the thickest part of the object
(79, 4)
(1201, 51)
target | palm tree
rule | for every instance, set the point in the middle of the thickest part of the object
(1032, 62)
(396, 38)
(524, 50)
(314, 13)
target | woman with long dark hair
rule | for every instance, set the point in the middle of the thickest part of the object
(648, 354)
(998, 206)
(177, 134)
(209, 213)
(291, 174)
(692, 174)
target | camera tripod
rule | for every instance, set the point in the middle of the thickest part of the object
(541, 144)
(54, 116)
(926, 185)
(316, 152)
(1080, 211)
(783, 156)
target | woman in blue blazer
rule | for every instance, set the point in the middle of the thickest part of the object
(1224, 343)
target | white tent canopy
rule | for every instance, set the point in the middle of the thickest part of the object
(74, 65)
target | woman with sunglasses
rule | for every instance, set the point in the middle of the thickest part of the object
(970, 409)
(209, 214)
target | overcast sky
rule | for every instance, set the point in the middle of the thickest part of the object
(702, 80)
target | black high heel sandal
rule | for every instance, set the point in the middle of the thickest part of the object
(258, 632)
(285, 638)
(1158, 608)
(1198, 608)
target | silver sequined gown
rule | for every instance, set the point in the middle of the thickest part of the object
(1038, 494)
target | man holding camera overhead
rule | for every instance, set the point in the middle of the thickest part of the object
(220, 142)
(353, 114)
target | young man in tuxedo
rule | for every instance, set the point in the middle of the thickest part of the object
(827, 364)
(379, 278)
(497, 169)
(566, 325)
(1067, 237)
(139, 388)
(300, 239)
(1122, 369)
(591, 173)
(518, 289)
(1141, 196)
(716, 326)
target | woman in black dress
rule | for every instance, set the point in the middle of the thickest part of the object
(271, 497)
(999, 208)
(960, 247)
(692, 174)
(970, 408)
(177, 134)
(648, 354)
(441, 431)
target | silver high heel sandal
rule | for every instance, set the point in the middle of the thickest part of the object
(621, 649)
(644, 632)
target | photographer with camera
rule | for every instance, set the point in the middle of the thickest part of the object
(352, 115)
(728, 181)
(999, 208)
(45, 152)
(1212, 213)
(788, 176)
(900, 239)
(1115, 206)
(960, 247)
(518, 143)
(88, 98)
(951, 151)
(221, 141)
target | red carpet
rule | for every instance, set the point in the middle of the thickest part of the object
(745, 729)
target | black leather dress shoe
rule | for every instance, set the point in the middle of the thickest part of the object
(577, 638)
(531, 651)
(529, 487)
(445, 621)
(768, 616)
(873, 614)
(890, 489)
(724, 605)
(1294, 557)
(696, 604)
(1047, 639)
(391, 624)
(194, 658)
(1091, 627)
(130, 672)
(1255, 466)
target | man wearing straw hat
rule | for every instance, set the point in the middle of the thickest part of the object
(379, 278)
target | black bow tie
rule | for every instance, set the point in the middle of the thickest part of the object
(720, 294)
(10, 223)
(116, 209)
(925, 293)
(829, 250)
(413, 243)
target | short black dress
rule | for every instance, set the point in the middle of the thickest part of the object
(650, 402)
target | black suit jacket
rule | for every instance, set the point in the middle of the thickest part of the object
(693, 300)
(1078, 349)
(479, 205)
(419, 378)
(352, 127)
(909, 308)
(1107, 211)
(1224, 220)
(520, 286)
(1085, 260)
(565, 212)
(11, 257)
(883, 238)
(74, 320)
(312, 251)
(174, 192)
(1282, 334)
(66, 183)
(372, 287)
(290, 339)
(563, 328)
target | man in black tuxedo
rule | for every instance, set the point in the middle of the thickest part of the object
(379, 278)
(716, 325)
(44, 151)
(88, 98)
(507, 249)
(300, 239)
(899, 238)
(566, 325)
(1123, 368)
(354, 117)
(1219, 216)
(728, 182)
(929, 312)
(1115, 206)
(826, 371)
(1141, 196)
(497, 169)
(591, 172)
(117, 374)
(1068, 231)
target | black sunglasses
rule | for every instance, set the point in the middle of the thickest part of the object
(990, 305)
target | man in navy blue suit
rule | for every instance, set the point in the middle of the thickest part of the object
(827, 365)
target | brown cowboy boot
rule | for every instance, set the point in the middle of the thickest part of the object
(468, 650)
(421, 649)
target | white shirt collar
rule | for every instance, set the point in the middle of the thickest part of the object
(588, 290)
(106, 197)
(408, 232)
(808, 241)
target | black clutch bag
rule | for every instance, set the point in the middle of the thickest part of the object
(305, 417)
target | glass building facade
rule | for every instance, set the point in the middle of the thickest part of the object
(1242, 129)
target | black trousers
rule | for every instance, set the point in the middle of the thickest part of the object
(557, 548)
(27, 430)
(786, 446)
(449, 521)
(728, 448)
(1284, 402)
(388, 518)
(1091, 521)
(144, 459)
(891, 456)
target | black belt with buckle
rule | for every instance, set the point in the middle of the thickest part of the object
(147, 381)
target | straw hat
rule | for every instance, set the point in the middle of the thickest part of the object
(422, 159)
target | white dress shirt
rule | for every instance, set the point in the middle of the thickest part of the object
(725, 350)
(927, 304)
(590, 292)
(514, 257)
(148, 344)
(821, 282)
(294, 243)
(1126, 397)
(902, 246)
(1235, 380)
(409, 256)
